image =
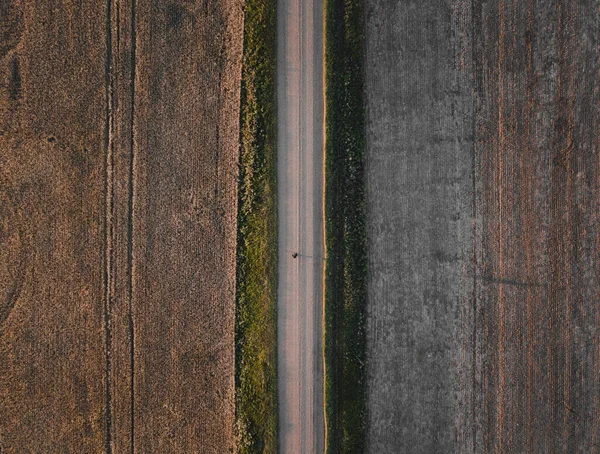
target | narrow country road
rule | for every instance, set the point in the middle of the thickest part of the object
(300, 200)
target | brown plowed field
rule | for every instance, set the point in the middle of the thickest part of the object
(119, 132)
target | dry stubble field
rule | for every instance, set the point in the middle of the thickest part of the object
(119, 137)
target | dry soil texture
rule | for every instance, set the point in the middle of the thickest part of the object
(118, 172)
(483, 206)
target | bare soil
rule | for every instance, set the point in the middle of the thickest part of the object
(482, 156)
(118, 175)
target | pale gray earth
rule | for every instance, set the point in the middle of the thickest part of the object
(420, 226)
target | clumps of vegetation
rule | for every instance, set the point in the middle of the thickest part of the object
(256, 317)
(345, 211)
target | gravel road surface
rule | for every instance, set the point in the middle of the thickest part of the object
(300, 199)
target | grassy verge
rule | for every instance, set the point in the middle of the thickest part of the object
(346, 272)
(256, 321)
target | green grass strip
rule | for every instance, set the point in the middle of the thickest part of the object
(256, 316)
(345, 211)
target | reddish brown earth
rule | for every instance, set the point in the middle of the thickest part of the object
(537, 149)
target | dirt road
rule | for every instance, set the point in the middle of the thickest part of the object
(300, 193)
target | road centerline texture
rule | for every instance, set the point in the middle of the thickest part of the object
(300, 213)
